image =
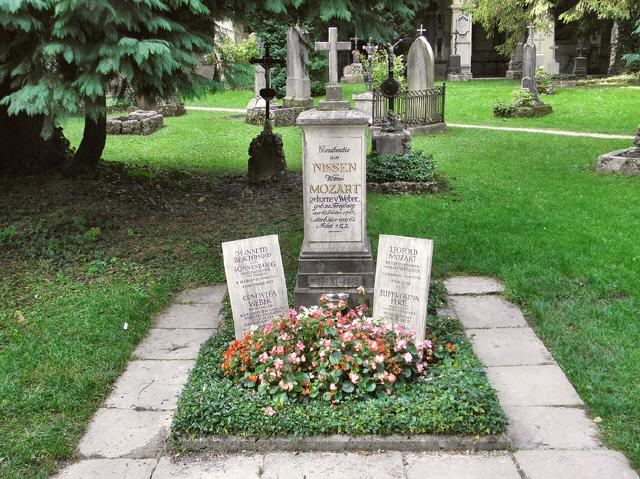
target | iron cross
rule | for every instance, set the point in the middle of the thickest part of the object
(332, 46)
(370, 48)
(267, 62)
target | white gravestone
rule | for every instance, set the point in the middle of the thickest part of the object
(420, 65)
(403, 272)
(256, 283)
(260, 82)
(333, 90)
(298, 82)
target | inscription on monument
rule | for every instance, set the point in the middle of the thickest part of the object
(334, 281)
(256, 283)
(335, 189)
(402, 281)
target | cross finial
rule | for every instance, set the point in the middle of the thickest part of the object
(421, 30)
(355, 39)
(333, 46)
(267, 62)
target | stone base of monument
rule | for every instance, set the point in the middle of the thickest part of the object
(421, 130)
(266, 158)
(390, 143)
(459, 77)
(138, 122)
(513, 74)
(580, 65)
(353, 73)
(364, 103)
(620, 161)
(335, 272)
(292, 102)
(280, 116)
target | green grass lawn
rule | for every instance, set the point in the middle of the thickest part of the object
(80, 258)
(602, 109)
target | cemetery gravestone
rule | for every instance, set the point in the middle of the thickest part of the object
(354, 73)
(255, 278)
(333, 90)
(420, 65)
(259, 82)
(402, 282)
(336, 252)
(515, 63)
(529, 67)
(298, 82)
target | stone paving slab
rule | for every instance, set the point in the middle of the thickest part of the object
(473, 285)
(172, 343)
(150, 385)
(575, 465)
(211, 467)
(333, 465)
(125, 433)
(189, 316)
(459, 466)
(540, 427)
(509, 347)
(109, 469)
(533, 386)
(487, 312)
(207, 294)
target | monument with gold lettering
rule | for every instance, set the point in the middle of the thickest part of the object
(336, 252)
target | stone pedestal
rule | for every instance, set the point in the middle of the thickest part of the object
(391, 142)
(364, 103)
(580, 65)
(336, 252)
(454, 65)
(266, 157)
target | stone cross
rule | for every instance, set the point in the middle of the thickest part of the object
(421, 30)
(267, 62)
(356, 57)
(370, 48)
(333, 46)
(580, 49)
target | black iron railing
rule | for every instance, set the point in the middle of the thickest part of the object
(414, 108)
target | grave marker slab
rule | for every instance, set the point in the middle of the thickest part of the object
(403, 272)
(256, 283)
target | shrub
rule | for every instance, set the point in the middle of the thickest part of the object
(381, 68)
(503, 109)
(328, 353)
(413, 166)
(544, 82)
(231, 60)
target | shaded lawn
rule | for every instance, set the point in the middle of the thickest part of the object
(602, 109)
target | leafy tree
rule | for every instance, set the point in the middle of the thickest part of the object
(59, 57)
(512, 16)
(634, 58)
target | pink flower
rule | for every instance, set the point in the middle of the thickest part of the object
(360, 290)
(391, 378)
(407, 357)
(400, 344)
(302, 358)
(354, 378)
(333, 387)
(293, 357)
(269, 411)
(300, 346)
(324, 298)
(420, 367)
(326, 343)
(342, 304)
(278, 363)
(379, 358)
(373, 346)
(263, 358)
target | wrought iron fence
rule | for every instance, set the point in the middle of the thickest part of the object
(414, 108)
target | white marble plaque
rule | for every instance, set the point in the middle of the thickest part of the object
(403, 272)
(256, 283)
(463, 24)
(334, 189)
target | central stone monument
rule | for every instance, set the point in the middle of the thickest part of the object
(336, 252)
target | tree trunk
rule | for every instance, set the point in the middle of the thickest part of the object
(91, 146)
(24, 151)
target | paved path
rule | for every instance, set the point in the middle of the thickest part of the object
(553, 436)
(481, 127)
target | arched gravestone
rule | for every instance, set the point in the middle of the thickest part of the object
(420, 65)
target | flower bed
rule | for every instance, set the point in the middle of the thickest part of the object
(357, 380)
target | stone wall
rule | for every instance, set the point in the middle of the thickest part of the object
(139, 122)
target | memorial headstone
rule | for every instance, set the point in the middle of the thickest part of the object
(580, 63)
(515, 62)
(420, 65)
(402, 282)
(255, 279)
(529, 67)
(259, 82)
(454, 58)
(333, 90)
(298, 92)
(336, 252)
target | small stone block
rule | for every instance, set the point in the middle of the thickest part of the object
(211, 467)
(189, 316)
(602, 464)
(109, 469)
(151, 385)
(125, 433)
(473, 285)
(329, 105)
(487, 312)
(457, 466)
(208, 294)
(539, 427)
(333, 92)
(333, 465)
(533, 386)
(509, 347)
(172, 343)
